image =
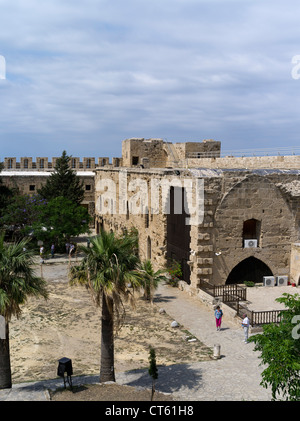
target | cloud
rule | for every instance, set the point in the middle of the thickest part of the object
(83, 76)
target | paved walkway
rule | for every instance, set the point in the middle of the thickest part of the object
(233, 377)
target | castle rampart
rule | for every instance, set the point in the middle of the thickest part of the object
(254, 199)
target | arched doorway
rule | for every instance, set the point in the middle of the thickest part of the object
(250, 269)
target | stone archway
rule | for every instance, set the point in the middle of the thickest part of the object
(250, 269)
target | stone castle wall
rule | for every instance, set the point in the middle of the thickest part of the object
(28, 175)
(263, 162)
(265, 190)
(217, 243)
(45, 164)
(29, 182)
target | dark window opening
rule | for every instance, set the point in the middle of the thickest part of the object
(32, 187)
(251, 231)
(135, 160)
(148, 248)
(146, 218)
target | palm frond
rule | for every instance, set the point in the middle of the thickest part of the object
(107, 268)
(17, 278)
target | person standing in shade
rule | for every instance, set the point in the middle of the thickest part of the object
(218, 316)
(42, 254)
(52, 250)
(71, 249)
(246, 325)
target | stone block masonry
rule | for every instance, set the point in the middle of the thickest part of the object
(246, 198)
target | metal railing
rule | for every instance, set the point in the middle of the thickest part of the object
(280, 151)
(284, 151)
(226, 293)
(232, 294)
(204, 154)
(265, 317)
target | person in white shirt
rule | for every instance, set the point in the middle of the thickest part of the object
(246, 324)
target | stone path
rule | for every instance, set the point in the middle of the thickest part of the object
(233, 377)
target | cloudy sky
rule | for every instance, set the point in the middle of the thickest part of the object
(85, 75)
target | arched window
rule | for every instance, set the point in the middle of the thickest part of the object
(251, 231)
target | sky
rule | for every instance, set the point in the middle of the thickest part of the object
(82, 76)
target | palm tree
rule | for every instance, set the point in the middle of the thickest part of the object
(17, 282)
(150, 278)
(107, 269)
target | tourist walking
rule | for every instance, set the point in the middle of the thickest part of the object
(52, 250)
(245, 325)
(218, 316)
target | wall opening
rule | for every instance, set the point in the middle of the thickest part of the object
(250, 269)
(148, 248)
(135, 160)
(178, 233)
(251, 231)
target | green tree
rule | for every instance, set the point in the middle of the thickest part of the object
(17, 282)
(60, 220)
(23, 213)
(150, 279)
(279, 345)
(107, 269)
(63, 182)
(6, 195)
(174, 270)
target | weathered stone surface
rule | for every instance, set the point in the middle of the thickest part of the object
(261, 189)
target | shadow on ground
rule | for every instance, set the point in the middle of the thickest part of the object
(170, 378)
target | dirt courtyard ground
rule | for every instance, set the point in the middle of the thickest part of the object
(68, 325)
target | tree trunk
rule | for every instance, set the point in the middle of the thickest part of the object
(5, 370)
(107, 369)
(152, 390)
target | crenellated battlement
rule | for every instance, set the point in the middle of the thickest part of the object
(46, 164)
